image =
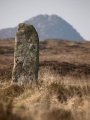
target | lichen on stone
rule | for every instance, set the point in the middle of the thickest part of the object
(26, 55)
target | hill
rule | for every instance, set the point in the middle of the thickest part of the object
(47, 26)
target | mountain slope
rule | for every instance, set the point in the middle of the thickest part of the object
(47, 26)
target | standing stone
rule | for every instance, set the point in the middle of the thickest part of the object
(26, 55)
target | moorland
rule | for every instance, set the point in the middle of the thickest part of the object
(63, 90)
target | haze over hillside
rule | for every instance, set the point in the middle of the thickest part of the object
(47, 26)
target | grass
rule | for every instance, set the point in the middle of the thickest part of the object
(63, 90)
(11, 91)
(51, 99)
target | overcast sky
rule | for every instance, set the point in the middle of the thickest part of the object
(75, 12)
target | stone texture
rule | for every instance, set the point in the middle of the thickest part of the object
(26, 55)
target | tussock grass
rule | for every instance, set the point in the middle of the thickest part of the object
(66, 92)
(52, 98)
(10, 92)
(63, 89)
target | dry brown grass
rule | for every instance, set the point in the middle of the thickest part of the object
(51, 99)
(63, 90)
(65, 51)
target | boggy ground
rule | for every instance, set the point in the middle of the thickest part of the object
(63, 90)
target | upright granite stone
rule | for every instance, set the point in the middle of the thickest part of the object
(26, 55)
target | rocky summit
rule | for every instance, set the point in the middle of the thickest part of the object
(47, 26)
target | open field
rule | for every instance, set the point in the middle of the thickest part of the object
(63, 90)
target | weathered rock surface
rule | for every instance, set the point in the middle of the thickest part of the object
(26, 55)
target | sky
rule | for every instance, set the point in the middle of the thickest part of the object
(75, 12)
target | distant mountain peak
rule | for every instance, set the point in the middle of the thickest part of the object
(47, 26)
